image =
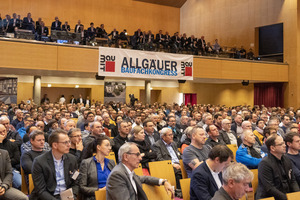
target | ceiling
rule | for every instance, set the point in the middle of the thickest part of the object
(172, 3)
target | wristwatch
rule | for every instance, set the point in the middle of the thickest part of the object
(165, 180)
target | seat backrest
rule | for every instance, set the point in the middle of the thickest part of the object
(163, 169)
(24, 187)
(255, 180)
(31, 185)
(112, 156)
(185, 188)
(233, 148)
(183, 171)
(139, 171)
(269, 198)
(75, 120)
(100, 194)
(156, 192)
(293, 196)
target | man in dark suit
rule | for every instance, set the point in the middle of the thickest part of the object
(275, 171)
(166, 149)
(6, 191)
(91, 31)
(207, 178)
(101, 32)
(149, 39)
(160, 39)
(55, 171)
(28, 23)
(80, 99)
(176, 42)
(123, 183)
(73, 100)
(66, 27)
(137, 38)
(56, 25)
(202, 45)
(42, 30)
(14, 22)
(167, 39)
(78, 27)
(236, 180)
(151, 136)
(227, 135)
(114, 35)
(236, 126)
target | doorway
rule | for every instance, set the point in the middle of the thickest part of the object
(190, 98)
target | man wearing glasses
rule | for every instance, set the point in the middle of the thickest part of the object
(275, 172)
(55, 171)
(123, 183)
(227, 135)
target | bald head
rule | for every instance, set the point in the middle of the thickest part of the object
(246, 125)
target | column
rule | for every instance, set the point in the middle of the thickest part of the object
(148, 91)
(37, 90)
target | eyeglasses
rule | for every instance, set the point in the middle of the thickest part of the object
(280, 144)
(65, 142)
(137, 154)
(76, 136)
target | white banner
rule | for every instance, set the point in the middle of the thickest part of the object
(144, 64)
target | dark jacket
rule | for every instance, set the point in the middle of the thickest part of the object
(118, 142)
(6, 174)
(162, 151)
(44, 178)
(14, 152)
(210, 143)
(225, 138)
(88, 180)
(271, 181)
(155, 136)
(146, 149)
(203, 184)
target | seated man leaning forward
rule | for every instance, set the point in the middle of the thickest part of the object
(236, 179)
(207, 178)
(248, 153)
(123, 183)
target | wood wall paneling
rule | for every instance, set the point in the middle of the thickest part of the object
(77, 59)
(28, 55)
(125, 14)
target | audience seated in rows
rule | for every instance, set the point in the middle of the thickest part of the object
(170, 121)
(141, 40)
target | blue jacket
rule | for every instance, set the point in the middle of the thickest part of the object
(244, 157)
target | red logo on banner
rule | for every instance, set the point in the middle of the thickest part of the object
(110, 66)
(188, 71)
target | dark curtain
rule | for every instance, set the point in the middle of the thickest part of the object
(190, 98)
(268, 94)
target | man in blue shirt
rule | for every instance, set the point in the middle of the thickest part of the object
(248, 153)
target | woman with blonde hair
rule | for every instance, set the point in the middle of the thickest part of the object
(138, 137)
